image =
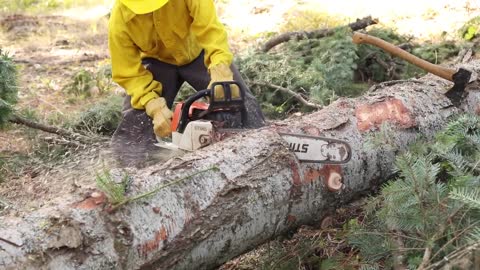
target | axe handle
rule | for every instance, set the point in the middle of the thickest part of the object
(446, 73)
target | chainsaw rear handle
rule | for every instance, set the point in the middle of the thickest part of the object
(443, 72)
(228, 103)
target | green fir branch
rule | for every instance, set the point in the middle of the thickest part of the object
(470, 197)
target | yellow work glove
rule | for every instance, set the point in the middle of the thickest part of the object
(157, 110)
(222, 73)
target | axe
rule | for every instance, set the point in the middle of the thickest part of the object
(460, 77)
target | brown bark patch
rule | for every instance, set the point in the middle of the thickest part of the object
(326, 174)
(192, 209)
(296, 190)
(313, 174)
(477, 111)
(291, 219)
(295, 174)
(93, 201)
(343, 104)
(392, 110)
(152, 245)
(312, 131)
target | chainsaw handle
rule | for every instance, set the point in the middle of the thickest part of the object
(182, 124)
(227, 103)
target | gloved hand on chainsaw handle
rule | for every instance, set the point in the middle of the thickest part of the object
(162, 116)
(222, 73)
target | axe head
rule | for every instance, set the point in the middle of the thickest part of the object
(460, 79)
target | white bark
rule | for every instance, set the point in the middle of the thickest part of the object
(260, 190)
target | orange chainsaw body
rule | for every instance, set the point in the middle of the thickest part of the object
(196, 106)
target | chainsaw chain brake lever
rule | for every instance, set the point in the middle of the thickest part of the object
(228, 103)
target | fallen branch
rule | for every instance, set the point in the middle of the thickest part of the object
(16, 119)
(296, 95)
(320, 33)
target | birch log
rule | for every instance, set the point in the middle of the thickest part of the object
(260, 190)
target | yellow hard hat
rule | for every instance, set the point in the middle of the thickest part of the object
(143, 6)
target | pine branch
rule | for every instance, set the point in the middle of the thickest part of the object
(467, 196)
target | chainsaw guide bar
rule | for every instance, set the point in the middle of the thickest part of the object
(308, 149)
(196, 125)
(314, 149)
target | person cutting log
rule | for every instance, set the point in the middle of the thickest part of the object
(155, 47)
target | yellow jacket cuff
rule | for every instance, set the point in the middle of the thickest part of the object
(145, 99)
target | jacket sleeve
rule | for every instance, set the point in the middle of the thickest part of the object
(127, 68)
(209, 32)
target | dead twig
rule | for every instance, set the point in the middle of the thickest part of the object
(454, 255)
(399, 253)
(292, 93)
(427, 255)
(319, 33)
(63, 141)
(9, 242)
(454, 239)
(390, 68)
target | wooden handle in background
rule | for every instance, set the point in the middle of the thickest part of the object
(440, 71)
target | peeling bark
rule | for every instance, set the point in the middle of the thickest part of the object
(259, 192)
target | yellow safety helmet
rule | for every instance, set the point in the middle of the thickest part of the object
(143, 6)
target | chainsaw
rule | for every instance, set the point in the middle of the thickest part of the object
(197, 124)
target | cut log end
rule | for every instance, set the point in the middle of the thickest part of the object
(334, 182)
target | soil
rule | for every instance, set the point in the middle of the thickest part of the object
(48, 51)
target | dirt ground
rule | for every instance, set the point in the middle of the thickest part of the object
(50, 49)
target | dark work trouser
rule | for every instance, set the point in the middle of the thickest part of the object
(134, 138)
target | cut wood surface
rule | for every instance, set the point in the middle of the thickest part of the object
(259, 191)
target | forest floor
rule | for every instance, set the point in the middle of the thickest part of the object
(50, 49)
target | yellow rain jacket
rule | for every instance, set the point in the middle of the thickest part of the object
(176, 34)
